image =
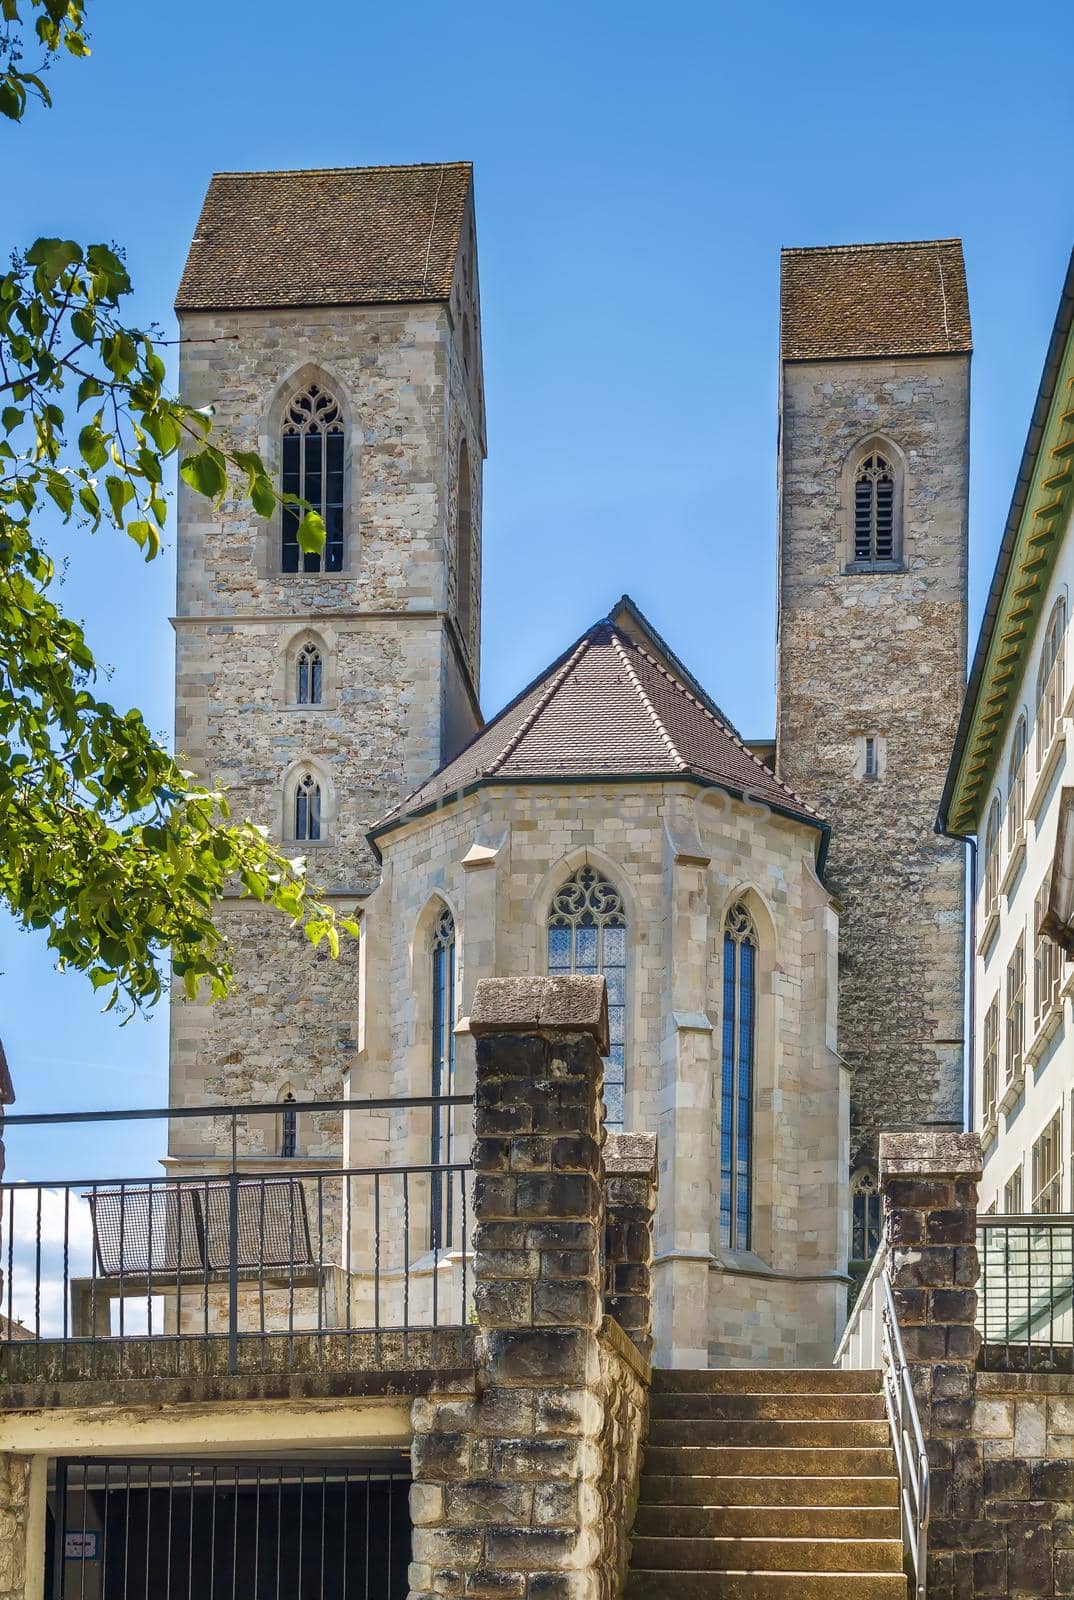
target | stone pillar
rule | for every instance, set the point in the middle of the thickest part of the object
(14, 1519)
(510, 1486)
(928, 1182)
(630, 1184)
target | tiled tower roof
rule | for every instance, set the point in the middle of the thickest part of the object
(339, 236)
(612, 707)
(846, 301)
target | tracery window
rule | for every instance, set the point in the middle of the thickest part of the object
(736, 1097)
(1016, 783)
(993, 833)
(874, 510)
(309, 676)
(443, 1073)
(865, 1215)
(1051, 680)
(311, 453)
(307, 808)
(587, 929)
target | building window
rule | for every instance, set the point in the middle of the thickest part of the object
(1048, 1168)
(990, 1063)
(865, 1216)
(309, 676)
(736, 1097)
(872, 758)
(311, 453)
(874, 511)
(1016, 1023)
(1051, 678)
(1013, 1201)
(1016, 783)
(464, 541)
(587, 933)
(1045, 961)
(993, 833)
(307, 808)
(288, 1126)
(442, 1081)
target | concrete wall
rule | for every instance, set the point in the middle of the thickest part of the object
(881, 653)
(680, 857)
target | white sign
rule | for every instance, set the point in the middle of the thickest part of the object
(80, 1546)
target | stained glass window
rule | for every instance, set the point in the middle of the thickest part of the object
(443, 1073)
(874, 510)
(736, 1097)
(312, 468)
(865, 1217)
(587, 934)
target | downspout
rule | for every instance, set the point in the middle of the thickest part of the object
(969, 840)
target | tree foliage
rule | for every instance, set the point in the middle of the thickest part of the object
(105, 842)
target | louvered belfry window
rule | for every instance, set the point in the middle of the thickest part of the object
(312, 458)
(874, 510)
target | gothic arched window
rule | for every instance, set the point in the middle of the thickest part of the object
(736, 1086)
(865, 1216)
(288, 1126)
(1051, 676)
(875, 532)
(1016, 783)
(464, 536)
(309, 676)
(307, 808)
(311, 454)
(442, 1080)
(587, 933)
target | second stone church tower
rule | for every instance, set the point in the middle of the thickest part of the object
(332, 320)
(873, 471)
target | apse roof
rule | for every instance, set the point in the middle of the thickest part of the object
(616, 706)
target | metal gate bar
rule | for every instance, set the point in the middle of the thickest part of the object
(229, 1530)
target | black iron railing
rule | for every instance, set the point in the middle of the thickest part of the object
(1024, 1295)
(240, 1258)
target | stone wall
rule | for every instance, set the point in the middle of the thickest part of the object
(680, 858)
(881, 653)
(14, 1506)
(1000, 1445)
(526, 1486)
(630, 1185)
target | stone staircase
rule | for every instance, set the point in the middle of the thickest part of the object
(767, 1484)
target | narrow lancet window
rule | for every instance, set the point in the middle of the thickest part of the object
(288, 1126)
(443, 1074)
(311, 451)
(736, 1097)
(874, 510)
(307, 808)
(310, 676)
(587, 933)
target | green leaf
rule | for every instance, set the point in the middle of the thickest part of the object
(263, 497)
(89, 389)
(53, 256)
(120, 493)
(91, 446)
(205, 472)
(12, 98)
(311, 533)
(11, 416)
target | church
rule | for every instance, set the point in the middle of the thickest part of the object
(779, 925)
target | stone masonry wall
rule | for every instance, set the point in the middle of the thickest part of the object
(881, 653)
(1000, 1445)
(526, 1487)
(14, 1502)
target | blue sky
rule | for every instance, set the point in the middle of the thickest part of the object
(637, 171)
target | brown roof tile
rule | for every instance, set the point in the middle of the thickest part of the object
(341, 236)
(611, 707)
(874, 300)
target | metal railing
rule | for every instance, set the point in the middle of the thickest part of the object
(241, 1258)
(872, 1342)
(1026, 1287)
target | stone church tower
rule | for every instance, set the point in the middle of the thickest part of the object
(873, 466)
(332, 320)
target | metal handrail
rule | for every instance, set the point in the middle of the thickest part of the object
(872, 1340)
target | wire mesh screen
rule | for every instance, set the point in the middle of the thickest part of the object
(1025, 1289)
(175, 1227)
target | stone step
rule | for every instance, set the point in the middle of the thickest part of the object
(764, 1380)
(768, 1431)
(670, 1521)
(781, 1407)
(743, 1490)
(684, 1461)
(766, 1555)
(659, 1585)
